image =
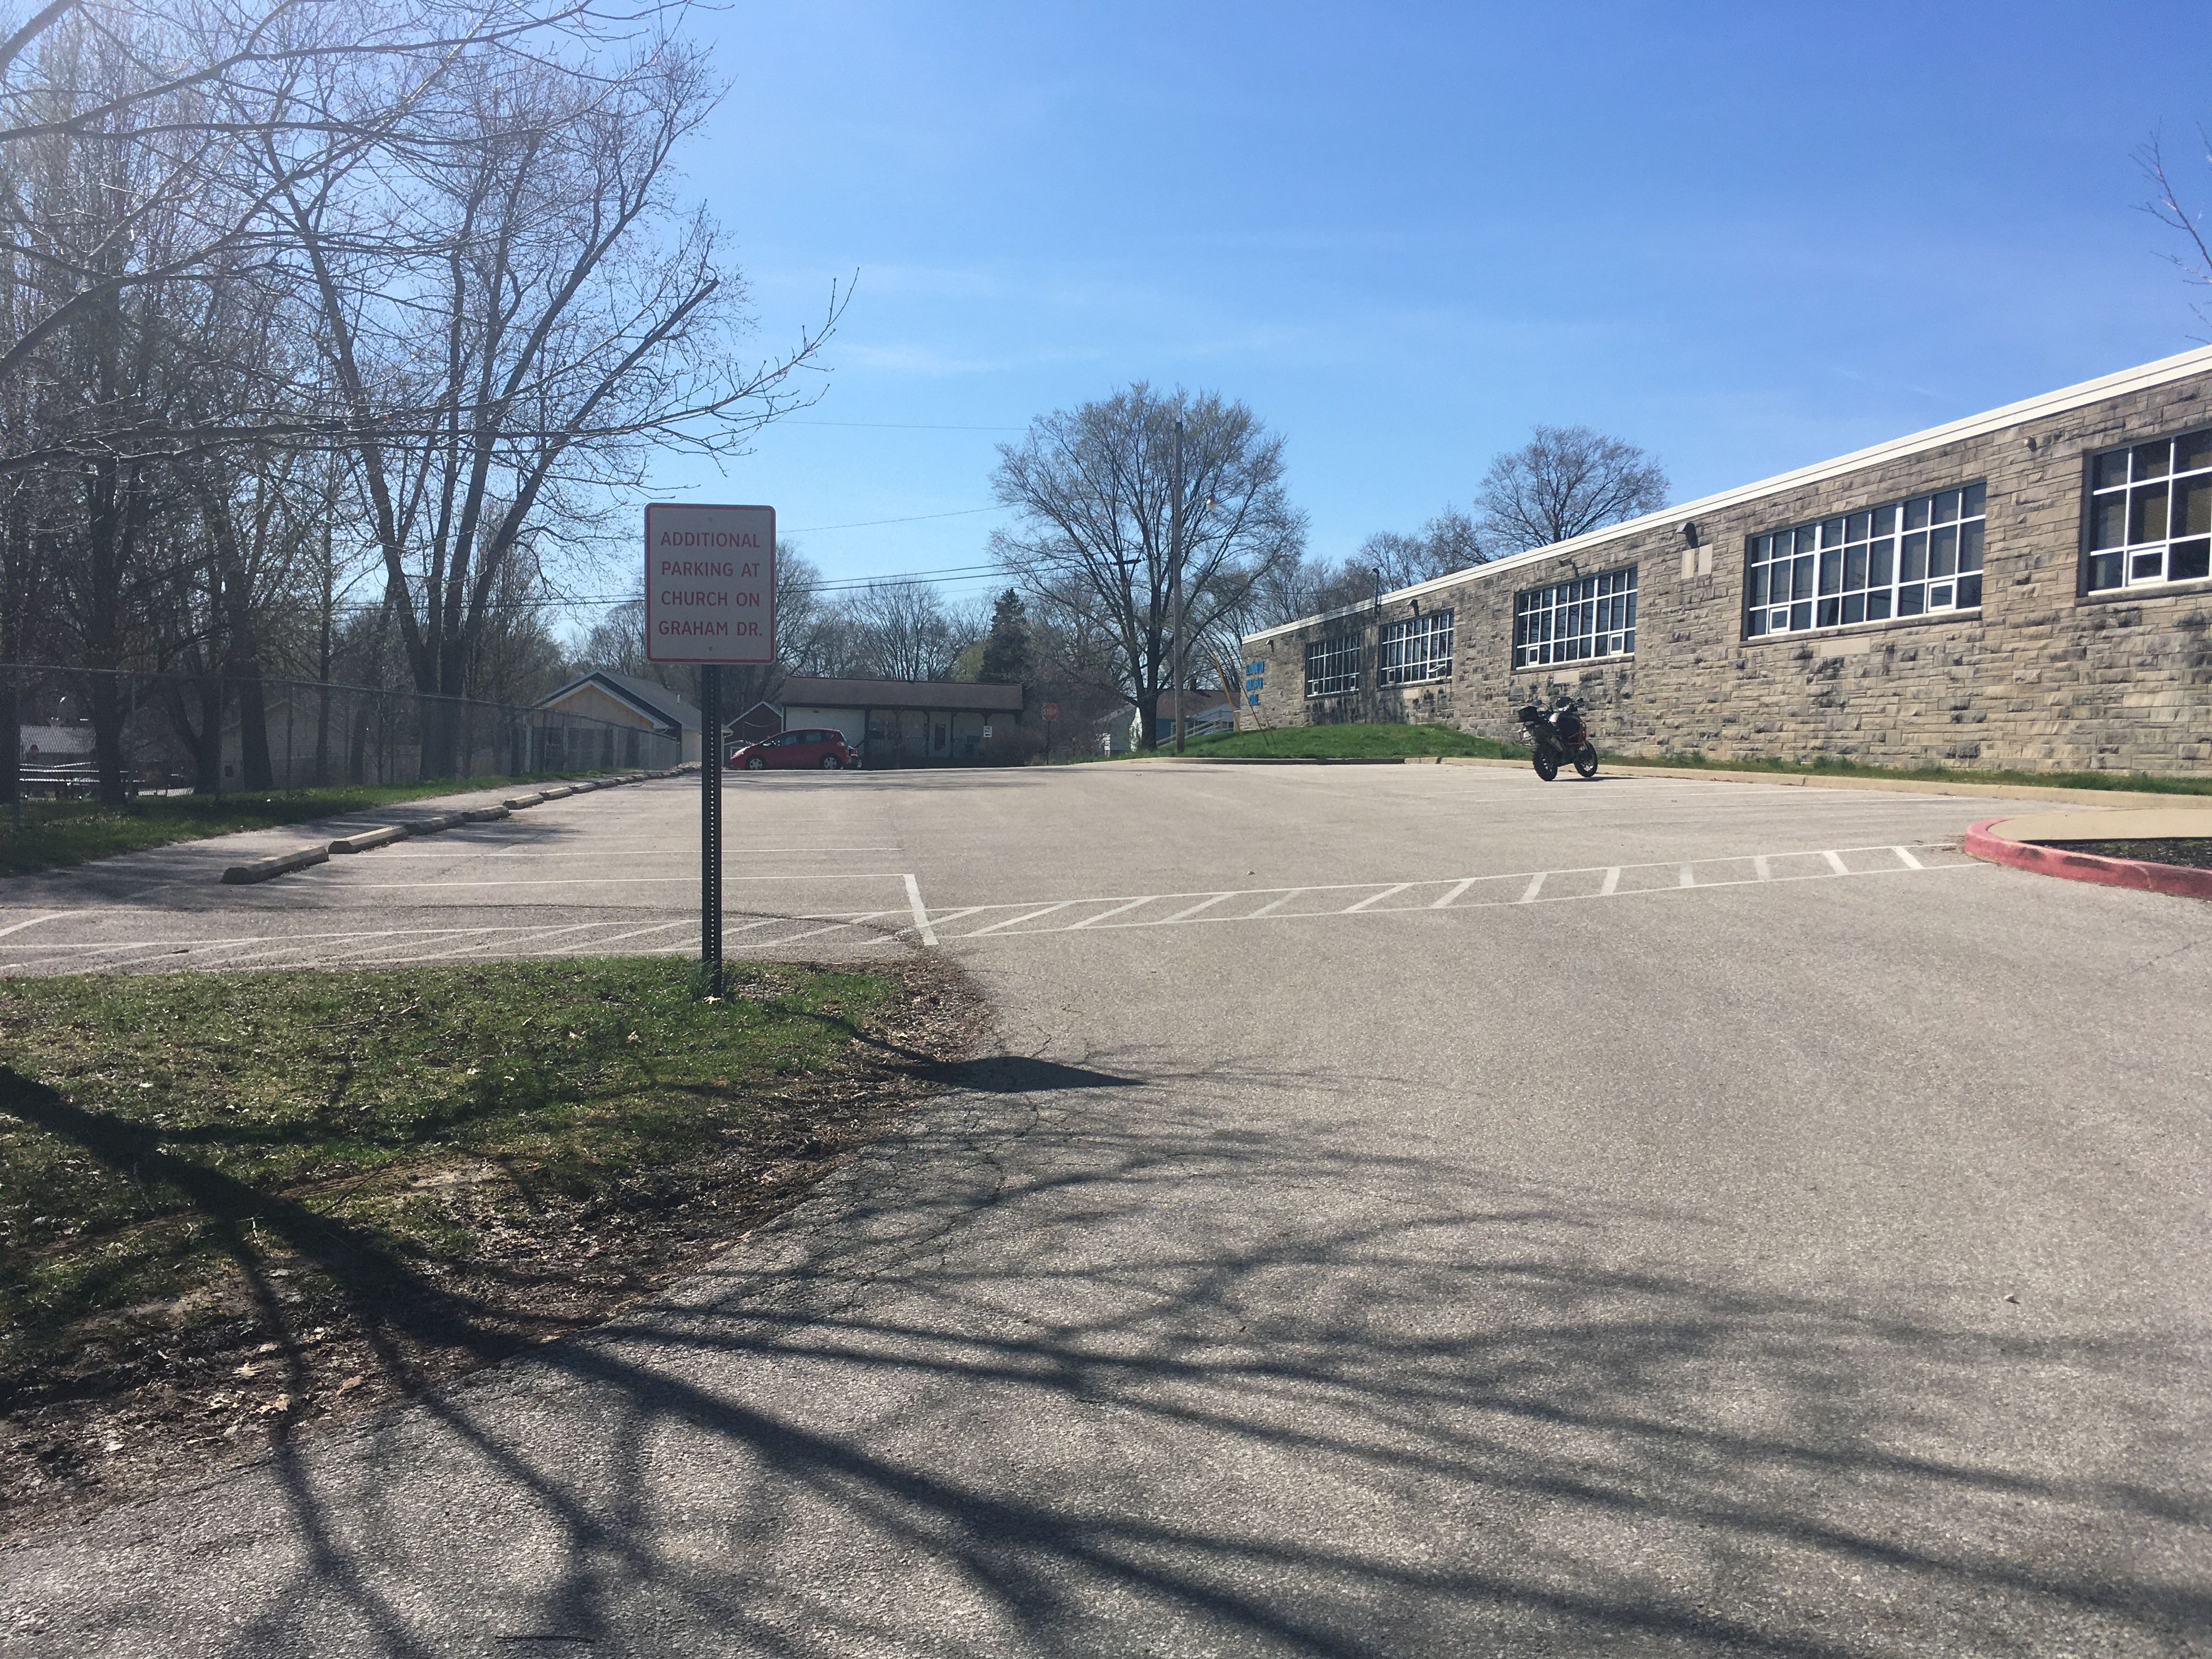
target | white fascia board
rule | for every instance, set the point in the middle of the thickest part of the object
(2147, 375)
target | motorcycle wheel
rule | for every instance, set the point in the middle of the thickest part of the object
(1547, 765)
(1586, 760)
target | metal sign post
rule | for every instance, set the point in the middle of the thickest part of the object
(710, 599)
(710, 829)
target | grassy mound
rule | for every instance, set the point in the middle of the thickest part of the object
(1352, 741)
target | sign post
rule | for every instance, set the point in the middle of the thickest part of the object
(710, 599)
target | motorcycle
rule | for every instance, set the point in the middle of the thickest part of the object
(1559, 734)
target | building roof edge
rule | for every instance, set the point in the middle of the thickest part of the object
(2178, 366)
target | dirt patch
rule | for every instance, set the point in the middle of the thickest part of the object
(2191, 852)
(146, 1397)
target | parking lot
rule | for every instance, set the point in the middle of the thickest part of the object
(1412, 1210)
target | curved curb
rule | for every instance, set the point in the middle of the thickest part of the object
(2141, 874)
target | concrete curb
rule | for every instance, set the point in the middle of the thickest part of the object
(369, 838)
(432, 826)
(1983, 842)
(276, 864)
(483, 814)
(516, 803)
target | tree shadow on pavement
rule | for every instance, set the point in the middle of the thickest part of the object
(1131, 1368)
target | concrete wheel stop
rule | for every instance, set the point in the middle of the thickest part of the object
(2051, 843)
(364, 841)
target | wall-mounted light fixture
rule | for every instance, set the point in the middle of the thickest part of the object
(1689, 533)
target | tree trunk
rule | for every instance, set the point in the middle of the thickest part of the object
(103, 628)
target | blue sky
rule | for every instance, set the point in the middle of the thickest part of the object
(1745, 237)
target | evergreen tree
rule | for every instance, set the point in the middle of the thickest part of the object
(1007, 659)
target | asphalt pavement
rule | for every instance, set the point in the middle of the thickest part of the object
(1415, 1210)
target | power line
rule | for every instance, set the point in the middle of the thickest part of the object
(905, 426)
(865, 524)
(948, 575)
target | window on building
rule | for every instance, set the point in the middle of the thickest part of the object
(1333, 665)
(1419, 648)
(1904, 559)
(2150, 512)
(1572, 621)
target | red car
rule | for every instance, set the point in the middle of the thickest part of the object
(819, 749)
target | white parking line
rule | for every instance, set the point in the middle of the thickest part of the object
(1189, 910)
(617, 881)
(1026, 915)
(921, 927)
(1354, 909)
(18, 926)
(1119, 909)
(1098, 913)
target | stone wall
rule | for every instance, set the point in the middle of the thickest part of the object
(2044, 676)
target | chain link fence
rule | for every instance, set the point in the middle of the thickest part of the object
(126, 731)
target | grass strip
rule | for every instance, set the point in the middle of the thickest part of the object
(60, 833)
(222, 1196)
(1350, 741)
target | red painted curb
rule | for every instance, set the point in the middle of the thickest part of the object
(2139, 873)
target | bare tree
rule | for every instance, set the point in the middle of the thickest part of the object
(193, 95)
(1445, 544)
(2169, 209)
(1094, 490)
(905, 630)
(515, 315)
(1568, 481)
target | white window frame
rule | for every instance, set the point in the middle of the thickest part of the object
(1582, 619)
(2131, 537)
(1337, 658)
(1415, 650)
(1920, 557)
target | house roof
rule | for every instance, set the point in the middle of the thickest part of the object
(810, 693)
(649, 697)
(2166, 369)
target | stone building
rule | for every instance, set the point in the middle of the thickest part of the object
(2027, 588)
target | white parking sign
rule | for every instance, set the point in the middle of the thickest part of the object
(709, 584)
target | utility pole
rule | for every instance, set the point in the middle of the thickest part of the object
(1175, 581)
